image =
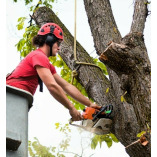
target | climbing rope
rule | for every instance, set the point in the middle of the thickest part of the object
(74, 72)
(75, 58)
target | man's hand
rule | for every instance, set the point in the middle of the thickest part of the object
(76, 116)
(95, 106)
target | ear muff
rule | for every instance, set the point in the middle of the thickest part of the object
(50, 40)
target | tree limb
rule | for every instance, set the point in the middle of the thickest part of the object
(123, 58)
(87, 75)
(108, 24)
(139, 16)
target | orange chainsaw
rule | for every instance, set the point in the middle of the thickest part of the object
(94, 114)
(96, 121)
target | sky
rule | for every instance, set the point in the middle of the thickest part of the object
(46, 111)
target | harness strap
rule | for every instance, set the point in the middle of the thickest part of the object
(19, 79)
(40, 82)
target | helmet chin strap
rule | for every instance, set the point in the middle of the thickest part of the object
(50, 49)
(51, 45)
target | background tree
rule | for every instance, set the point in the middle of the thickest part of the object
(37, 149)
(128, 66)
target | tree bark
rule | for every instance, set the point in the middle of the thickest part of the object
(139, 17)
(128, 67)
(129, 70)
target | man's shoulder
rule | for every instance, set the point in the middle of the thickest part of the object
(37, 53)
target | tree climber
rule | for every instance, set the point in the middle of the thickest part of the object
(35, 68)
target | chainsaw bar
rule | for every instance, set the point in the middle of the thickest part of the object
(101, 127)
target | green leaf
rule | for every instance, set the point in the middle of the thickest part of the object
(107, 90)
(122, 99)
(21, 23)
(53, 149)
(94, 143)
(58, 63)
(64, 144)
(19, 19)
(114, 138)
(31, 152)
(108, 141)
(101, 65)
(57, 125)
(141, 133)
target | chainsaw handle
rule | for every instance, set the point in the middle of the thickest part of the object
(104, 108)
(70, 121)
(109, 108)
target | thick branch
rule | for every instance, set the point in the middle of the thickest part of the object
(124, 57)
(118, 58)
(90, 77)
(104, 30)
(101, 10)
(139, 17)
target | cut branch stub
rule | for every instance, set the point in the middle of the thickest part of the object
(126, 57)
(118, 58)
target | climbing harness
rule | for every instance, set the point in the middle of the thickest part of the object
(74, 72)
(24, 79)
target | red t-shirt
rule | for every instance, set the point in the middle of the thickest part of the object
(26, 68)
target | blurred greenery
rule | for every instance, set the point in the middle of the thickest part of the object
(92, 141)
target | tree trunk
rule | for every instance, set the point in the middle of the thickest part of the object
(128, 67)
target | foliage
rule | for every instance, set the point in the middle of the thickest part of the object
(101, 65)
(122, 97)
(46, 3)
(98, 139)
(148, 131)
(24, 46)
(141, 133)
(36, 149)
(66, 130)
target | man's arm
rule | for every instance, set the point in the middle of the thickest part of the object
(74, 92)
(56, 91)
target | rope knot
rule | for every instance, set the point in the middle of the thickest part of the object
(74, 74)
